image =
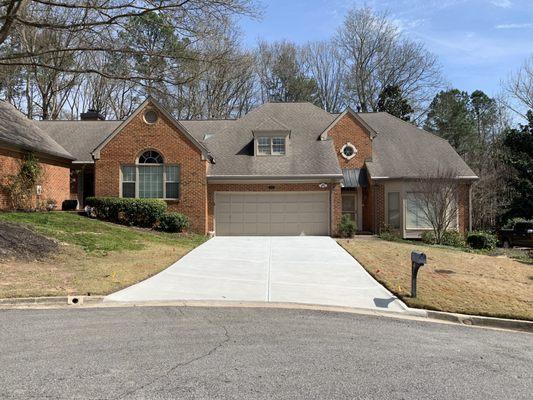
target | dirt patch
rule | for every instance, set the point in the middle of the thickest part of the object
(20, 243)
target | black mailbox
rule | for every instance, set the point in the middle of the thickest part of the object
(418, 259)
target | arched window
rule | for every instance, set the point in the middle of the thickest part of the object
(150, 178)
(150, 157)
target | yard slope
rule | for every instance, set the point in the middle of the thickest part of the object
(452, 280)
(93, 257)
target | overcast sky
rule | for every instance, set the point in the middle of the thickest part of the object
(478, 42)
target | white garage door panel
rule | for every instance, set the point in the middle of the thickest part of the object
(293, 213)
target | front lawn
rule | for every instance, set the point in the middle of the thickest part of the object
(93, 257)
(452, 280)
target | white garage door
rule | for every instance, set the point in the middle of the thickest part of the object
(281, 213)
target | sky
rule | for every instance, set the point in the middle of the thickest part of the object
(478, 42)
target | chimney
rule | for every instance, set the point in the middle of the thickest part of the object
(91, 115)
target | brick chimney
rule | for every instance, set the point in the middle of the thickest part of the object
(91, 115)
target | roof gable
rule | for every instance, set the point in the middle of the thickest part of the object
(150, 101)
(352, 113)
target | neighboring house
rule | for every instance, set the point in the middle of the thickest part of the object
(282, 169)
(18, 136)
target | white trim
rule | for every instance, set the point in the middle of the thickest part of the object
(347, 145)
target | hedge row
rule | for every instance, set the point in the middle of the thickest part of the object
(146, 213)
(476, 240)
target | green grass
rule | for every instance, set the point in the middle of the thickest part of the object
(95, 236)
(95, 257)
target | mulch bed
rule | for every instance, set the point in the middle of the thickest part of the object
(20, 243)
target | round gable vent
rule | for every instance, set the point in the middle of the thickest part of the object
(150, 117)
(348, 151)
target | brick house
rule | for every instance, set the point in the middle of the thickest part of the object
(18, 136)
(282, 169)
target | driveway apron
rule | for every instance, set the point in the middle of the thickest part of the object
(296, 269)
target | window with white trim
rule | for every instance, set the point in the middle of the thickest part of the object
(349, 205)
(278, 145)
(150, 178)
(415, 216)
(267, 145)
(393, 210)
(263, 145)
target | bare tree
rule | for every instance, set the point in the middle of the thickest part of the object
(436, 196)
(520, 86)
(323, 63)
(377, 55)
(98, 25)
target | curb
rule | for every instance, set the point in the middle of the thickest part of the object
(50, 301)
(481, 321)
(410, 313)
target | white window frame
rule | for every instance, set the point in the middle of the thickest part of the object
(355, 213)
(270, 140)
(137, 167)
(348, 145)
(399, 210)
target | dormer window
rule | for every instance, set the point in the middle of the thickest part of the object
(270, 145)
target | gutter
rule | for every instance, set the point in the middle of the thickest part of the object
(274, 177)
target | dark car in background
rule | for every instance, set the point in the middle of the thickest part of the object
(521, 235)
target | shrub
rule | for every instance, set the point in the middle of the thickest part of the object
(347, 227)
(449, 238)
(138, 212)
(20, 187)
(482, 240)
(389, 234)
(173, 222)
(69, 205)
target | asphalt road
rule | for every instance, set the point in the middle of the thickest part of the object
(201, 353)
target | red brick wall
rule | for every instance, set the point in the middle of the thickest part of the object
(378, 194)
(55, 180)
(175, 148)
(348, 129)
(275, 187)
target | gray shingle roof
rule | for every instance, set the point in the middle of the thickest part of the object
(401, 150)
(80, 138)
(232, 146)
(202, 128)
(18, 131)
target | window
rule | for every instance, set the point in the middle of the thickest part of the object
(415, 216)
(348, 151)
(150, 178)
(150, 117)
(267, 145)
(172, 181)
(128, 181)
(263, 145)
(150, 157)
(349, 205)
(278, 145)
(393, 210)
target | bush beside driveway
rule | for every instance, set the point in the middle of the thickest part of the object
(93, 257)
(452, 280)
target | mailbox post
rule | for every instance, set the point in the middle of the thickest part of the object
(418, 259)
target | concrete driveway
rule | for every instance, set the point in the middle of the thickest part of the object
(301, 269)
